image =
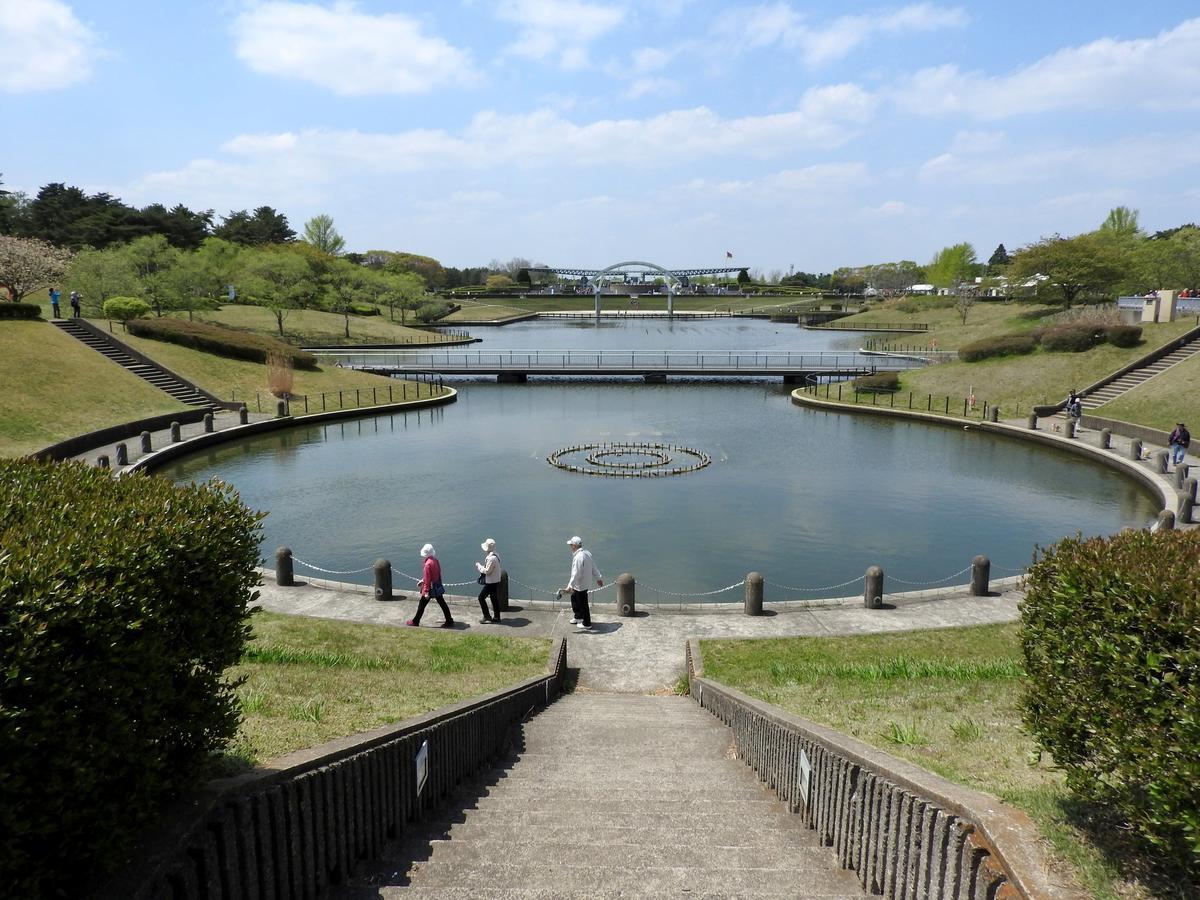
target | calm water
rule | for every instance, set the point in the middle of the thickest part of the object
(809, 499)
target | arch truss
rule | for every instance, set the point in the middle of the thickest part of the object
(672, 278)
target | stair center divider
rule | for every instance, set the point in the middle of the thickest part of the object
(904, 831)
(300, 825)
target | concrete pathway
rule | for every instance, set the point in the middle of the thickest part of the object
(644, 653)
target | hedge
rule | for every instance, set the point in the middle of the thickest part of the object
(1111, 637)
(124, 602)
(363, 309)
(221, 341)
(1124, 335)
(880, 381)
(1002, 345)
(19, 311)
(1074, 337)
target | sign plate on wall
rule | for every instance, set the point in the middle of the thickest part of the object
(422, 766)
(805, 777)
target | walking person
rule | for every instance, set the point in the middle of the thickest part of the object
(489, 577)
(431, 586)
(583, 574)
(1179, 440)
(54, 295)
(76, 300)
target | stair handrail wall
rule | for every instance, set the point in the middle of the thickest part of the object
(902, 830)
(302, 823)
(147, 361)
(1155, 355)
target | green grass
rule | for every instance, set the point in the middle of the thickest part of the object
(311, 327)
(1163, 400)
(947, 700)
(311, 680)
(56, 388)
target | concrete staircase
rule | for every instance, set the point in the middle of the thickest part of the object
(613, 795)
(1130, 380)
(142, 368)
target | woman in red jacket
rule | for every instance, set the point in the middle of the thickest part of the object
(431, 586)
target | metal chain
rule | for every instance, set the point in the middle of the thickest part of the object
(309, 565)
(828, 587)
(1021, 571)
(935, 581)
(694, 594)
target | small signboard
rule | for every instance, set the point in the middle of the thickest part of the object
(422, 766)
(805, 777)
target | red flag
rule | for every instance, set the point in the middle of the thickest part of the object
(729, 254)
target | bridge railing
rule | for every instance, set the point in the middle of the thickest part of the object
(748, 361)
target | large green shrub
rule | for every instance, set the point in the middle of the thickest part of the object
(429, 312)
(1074, 337)
(1124, 335)
(1002, 345)
(125, 309)
(221, 341)
(363, 309)
(19, 310)
(122, 603)
(1111, 635)
(879, 382)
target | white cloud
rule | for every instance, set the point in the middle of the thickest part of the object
(767, 24)
(1162, 73)
(821, 178)
(558, 28)
(45, 46)
(660, 87)
(890, 208)
(346, 51)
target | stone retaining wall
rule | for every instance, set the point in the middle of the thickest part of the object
(301, 825)
(905, 832)
(84, 442)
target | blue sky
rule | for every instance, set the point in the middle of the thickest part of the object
(587, 132)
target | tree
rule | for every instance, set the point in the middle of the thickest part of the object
(1082, 267)
(998, 260)
(152, 260)
(429, 269)
(963, 304)
(125, 309)
(892, 277)
(1122, 222)
(499, 281)
(404, 292)
(29, 263)
(100, 274)
(278, 281)
(346, 284)
(319, 232)
(952, 265)
(265, 226)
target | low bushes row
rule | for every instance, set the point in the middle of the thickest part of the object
(880, 381)
(222, 341)
(125, 600)
(19, 311)
(1111, 637)
(1072, 337)
(363, 309)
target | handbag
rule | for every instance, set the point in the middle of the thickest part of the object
(482, 579)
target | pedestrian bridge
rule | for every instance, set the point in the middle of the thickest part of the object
(653, 365)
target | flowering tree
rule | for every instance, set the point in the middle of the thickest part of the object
(27, 264)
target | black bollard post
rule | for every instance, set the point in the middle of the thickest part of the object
(1189, 488)
(981, 571)
(176, 436)
(122, 455)
(1032, 424)
(1069, 431)
(102, 461)
(280, 409)
(625, 595)
(383, 580)
(1181, 474)
(502, 592)
(243, 415)
(1186, 505)
(145, 442)
(208, 423)
(283, 567)
(1106, 439)
(1135, 449)
(873, 593)
(754, 594)
(994, 414)
(1162, 459)
(1165, 521)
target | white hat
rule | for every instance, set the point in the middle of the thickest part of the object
(488, 545)
(576, 541)
(428, 551)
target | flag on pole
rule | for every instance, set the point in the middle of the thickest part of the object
(729, 254)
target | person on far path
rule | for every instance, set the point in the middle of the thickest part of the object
(489, 571)
(431, 586)
(583, 574)
(1179, 440)
(76, 300)
(54, 295)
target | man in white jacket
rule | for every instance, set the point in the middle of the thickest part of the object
(583, 574)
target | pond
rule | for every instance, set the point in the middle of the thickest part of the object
(809, 499)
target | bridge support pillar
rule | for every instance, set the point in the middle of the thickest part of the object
(654, 378)
(512, 378)
(793, 379)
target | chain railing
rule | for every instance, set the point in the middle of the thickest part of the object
(413, 387)
(970, 407)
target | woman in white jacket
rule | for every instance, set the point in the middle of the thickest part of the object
(489, 569)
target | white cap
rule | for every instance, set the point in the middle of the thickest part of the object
(576, 541)
(428, 551)
(488, 545)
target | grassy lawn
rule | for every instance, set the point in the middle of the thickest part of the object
(1163, 400)
(56, 388)
(311, 680)
(310, 327)
(944, 699)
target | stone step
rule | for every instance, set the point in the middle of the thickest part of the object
(685, 818)
(596, 808)
(503, 893)
(714, 834)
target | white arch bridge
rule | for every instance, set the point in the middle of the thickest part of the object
(652, 365)
(673, 279)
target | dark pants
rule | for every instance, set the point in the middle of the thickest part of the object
(493, 591)
(425, 602)
(579, 607)
(54, 309)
